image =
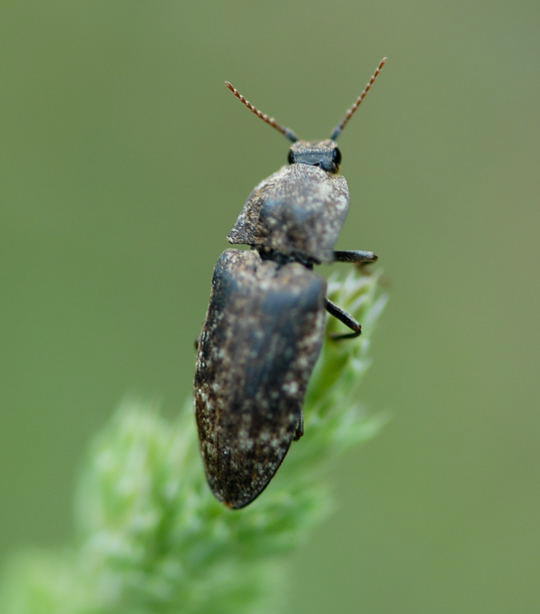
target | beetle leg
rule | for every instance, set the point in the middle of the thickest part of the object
(358, 256)
(299, 428)
(344, 317)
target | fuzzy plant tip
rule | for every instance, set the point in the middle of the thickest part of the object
(150, 536)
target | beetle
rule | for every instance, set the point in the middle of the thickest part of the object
(265, 322)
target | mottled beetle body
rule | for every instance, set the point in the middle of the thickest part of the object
(265, 323)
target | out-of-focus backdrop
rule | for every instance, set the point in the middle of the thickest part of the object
(123, 164)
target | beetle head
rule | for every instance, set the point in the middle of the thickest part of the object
(324, 154)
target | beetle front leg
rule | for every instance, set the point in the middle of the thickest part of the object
(344, 317)
(357, 256)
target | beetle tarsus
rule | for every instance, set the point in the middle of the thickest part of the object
(356, 256)
(344, 317)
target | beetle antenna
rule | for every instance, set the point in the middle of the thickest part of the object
(339, 128)
(287, 132)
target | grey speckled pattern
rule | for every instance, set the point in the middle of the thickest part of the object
(261, 339)
(299, 211)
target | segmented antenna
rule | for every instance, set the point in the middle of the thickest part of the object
(358, 101)
(287, 132)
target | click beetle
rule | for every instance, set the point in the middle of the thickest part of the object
(265, 322)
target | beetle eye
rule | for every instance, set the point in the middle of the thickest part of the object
(336, 156)
(290, 157)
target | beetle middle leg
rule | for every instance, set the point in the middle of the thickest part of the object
(344, 317)
(357, 256)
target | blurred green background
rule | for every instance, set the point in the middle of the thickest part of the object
(123, 164)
